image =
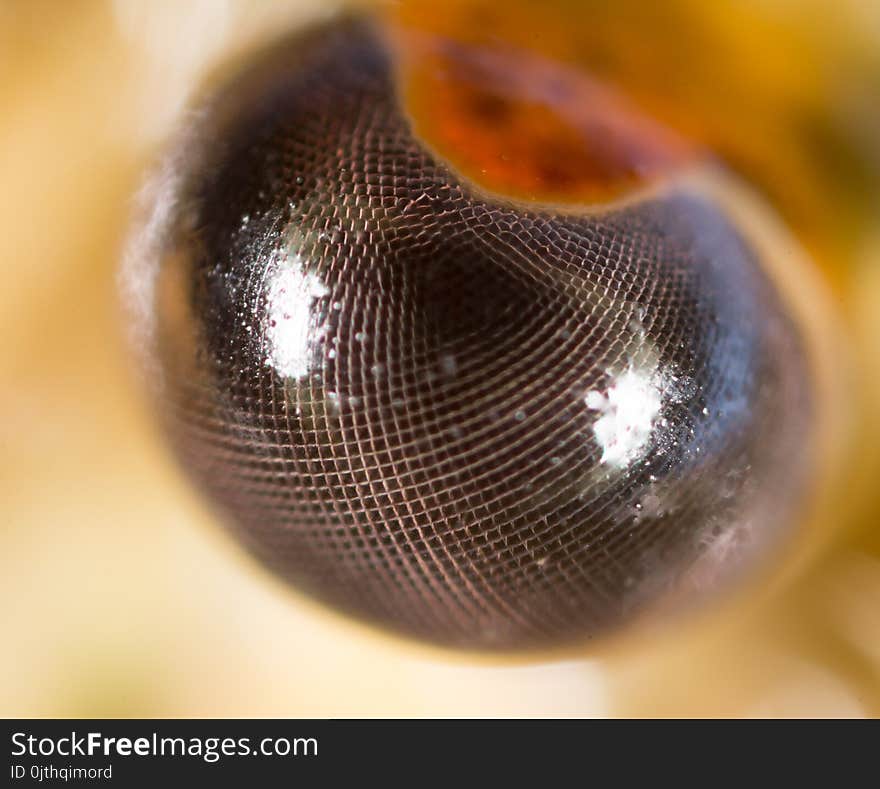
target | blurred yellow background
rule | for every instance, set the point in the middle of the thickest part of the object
(120, 597)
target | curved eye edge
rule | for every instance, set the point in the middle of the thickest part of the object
(832, 502)
(830, 505)
(521, 126)
(831, 377)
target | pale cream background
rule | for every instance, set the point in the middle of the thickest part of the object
(119, 597)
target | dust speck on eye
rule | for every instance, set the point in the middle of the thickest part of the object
(448, 364)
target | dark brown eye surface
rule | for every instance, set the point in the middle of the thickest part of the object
(475, 419)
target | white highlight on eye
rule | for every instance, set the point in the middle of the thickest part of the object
(290, 321)
(628, 408)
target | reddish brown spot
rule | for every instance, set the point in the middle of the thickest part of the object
(528, 127)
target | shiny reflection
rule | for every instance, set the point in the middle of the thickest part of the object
(628, 407)
(291, 321)
(77, 456)
(450, 474)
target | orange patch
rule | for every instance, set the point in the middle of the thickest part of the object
(528, 127)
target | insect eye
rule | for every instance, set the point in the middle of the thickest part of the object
(460, 344)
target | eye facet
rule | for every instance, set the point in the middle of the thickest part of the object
(483, 419)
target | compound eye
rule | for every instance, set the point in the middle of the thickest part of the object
(457, 343)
